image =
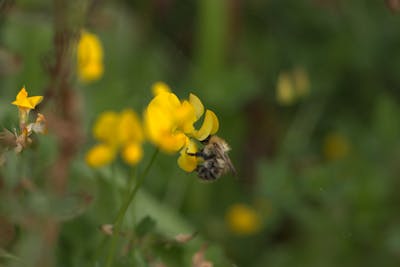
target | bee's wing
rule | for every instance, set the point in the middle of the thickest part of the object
(227, 160)
(230, 165)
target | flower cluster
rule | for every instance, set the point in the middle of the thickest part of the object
(169, 124)
(116, 132)
(25, 104)
(89, 57)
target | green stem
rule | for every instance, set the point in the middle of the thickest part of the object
(122, 211)
(104, 239)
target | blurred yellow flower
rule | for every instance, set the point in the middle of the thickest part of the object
(285, 93)
(89, 57)
(169, 122)
(116, 131)
(291, 86)
(100, 155)
(242, 219)
(132, 153)
(335, 146)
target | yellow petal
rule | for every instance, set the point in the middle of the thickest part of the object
(89, 48)
(105, 127)
(173, 102)
(89, 57)
(35, 100)
(91, 71)
(129, 127)
(198, 106)
(208, 126)
(23, 101)
(186, 162)
(190, 146)
(171, 143)
(168, 102)
(160, 87)
(215, 126)
(185, 117)
(132, 153)
(22, 94)
(164, 119)
(157, 123)
(100, 155)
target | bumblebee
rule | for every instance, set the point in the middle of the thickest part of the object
(216, 161)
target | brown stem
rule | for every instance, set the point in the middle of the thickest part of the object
(64, 121)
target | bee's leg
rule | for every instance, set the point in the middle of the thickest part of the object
(197, 154)
(201, 155)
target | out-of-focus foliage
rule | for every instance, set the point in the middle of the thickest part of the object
(318, 175)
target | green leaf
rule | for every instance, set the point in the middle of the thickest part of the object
(145, 226)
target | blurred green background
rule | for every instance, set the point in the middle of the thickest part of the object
(322, 171)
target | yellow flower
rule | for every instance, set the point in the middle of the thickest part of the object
(25, 104)
(89, 57)
(242, 219)
(291, 86)
(23, 101)
(169, 122)
(336, 146)
(116, 131)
